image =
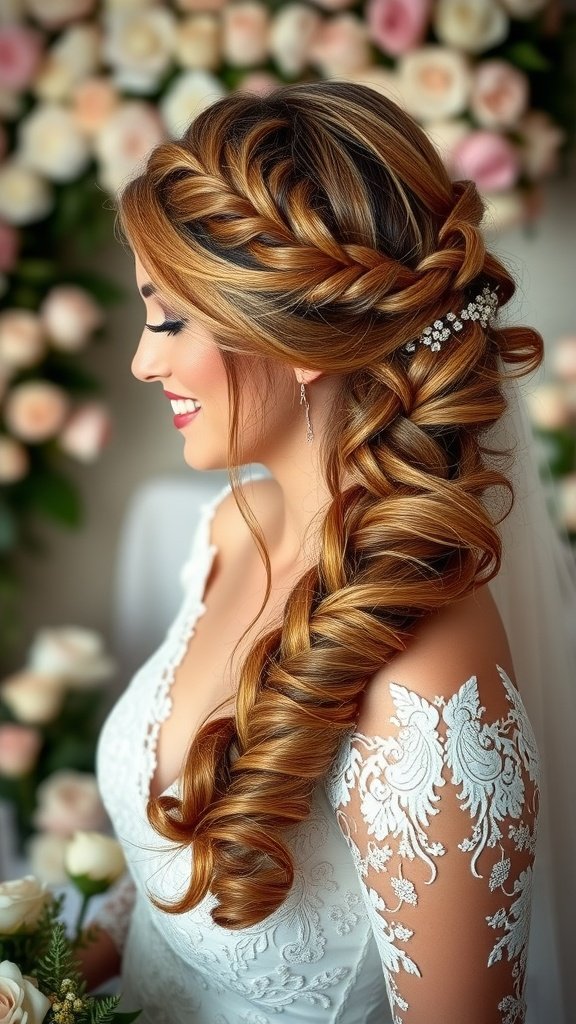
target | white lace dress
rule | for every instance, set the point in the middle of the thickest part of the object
(413, 871)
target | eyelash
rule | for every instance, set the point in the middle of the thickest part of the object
(168, 327)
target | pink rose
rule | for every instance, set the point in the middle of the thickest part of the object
(87, 432)
(245, 29)
(125, 140)
(340, 46)
(548, 406)
(563, 358)
(35, 410)
(22, 339)
(14, 460)
(10, 240)
(70, 315)
(397, 26)
(19, 749)
(487, 158)
(20, 52)
(93, 101)
(260, 82)
(499, 94)
(67, 801)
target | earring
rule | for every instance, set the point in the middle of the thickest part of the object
(303, 399)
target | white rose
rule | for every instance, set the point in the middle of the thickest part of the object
(14, 460)
(22, 901)
(67, 801)
(125, 141)
(548, 406)
(55, 13)
(21, 1001)
(35, 410)
(71, 652)
(96, 856)
(470, 25)
(50, 143)
(245, 33)
(435, 82)
(86, 432)
(45, 855)
(22, 339)
(503, 210)
(291, 33)
(25, 196)
(188, 95)
(139, 44)
(33, 698)
(69, 315)
(74, 56)
(500, 94)
(198, 42)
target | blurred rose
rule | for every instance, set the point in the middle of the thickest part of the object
(56, 13)
(25, 196)
(397, 26)
(11, 10)
(445, 136)
(69, 800)
(139, 45)
(540, 142)
(470, 25)
(20, 997)
(70, 316)
(11, 103)
(95, 856)
(20, 51)
(340, 46)
(93, 101)
(45, 855)
(51, 144)
(33, 698)
(19, 749)
(548, 406)
(334, 5)
(86, 432)
(245, 29)
(291, 33)
(74, 55)
(10, 240)
(567, 501)
(197, 43)
(189, 93)
(22, 338)
(503, 209)
(523, 8)
(22, 901)
(35, 410)
(562, 357)
(125, 141)
(500, 94)
(75, 654)
(14, 460)
(489, 159)
(200, 5)
(435, 82)
(260, 82)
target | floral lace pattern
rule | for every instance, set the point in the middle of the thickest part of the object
(397, 782)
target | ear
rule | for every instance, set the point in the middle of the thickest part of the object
(307, 376)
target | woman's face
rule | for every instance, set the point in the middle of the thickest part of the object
(184, 358)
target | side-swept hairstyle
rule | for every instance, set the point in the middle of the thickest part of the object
(317, 227)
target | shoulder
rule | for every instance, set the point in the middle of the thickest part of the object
(229, 528)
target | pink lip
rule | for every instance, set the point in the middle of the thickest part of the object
(169, 394)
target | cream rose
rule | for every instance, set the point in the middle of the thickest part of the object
(22, 901)
(470, 25)
(340, 46)
(45, 854)
(190, 93)
(562, 358)
(22, 339)
(69, 316)
(500, 94)
(14, 460)
(445, 136)
(35, 410)
(259, 82)
(125, 141)
(67, 801)
(198, 44)
(72, 653)
(291, 33)
(94, 856)
(139, 45)
(548, 406)
(74, 56)
(35, 699)
(524, 8)
(435, 82)
(53, 14)
(93, 101)
(50, 143)
(503, 210)
(21, 1001)
(245, 31)
(25, 196)
(86, 432)
(19, 749)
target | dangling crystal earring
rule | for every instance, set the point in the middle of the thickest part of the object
(309, 434)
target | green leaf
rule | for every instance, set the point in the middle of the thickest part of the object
(126, 1018)
(53, 495)
(524, 54)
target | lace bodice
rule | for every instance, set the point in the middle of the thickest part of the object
(412, 894)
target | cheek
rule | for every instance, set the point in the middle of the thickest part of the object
(203, 373)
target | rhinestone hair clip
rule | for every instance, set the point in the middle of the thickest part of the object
(482, 308)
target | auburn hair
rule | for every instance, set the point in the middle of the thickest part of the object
(317, 227)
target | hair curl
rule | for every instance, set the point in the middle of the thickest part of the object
(317, 227)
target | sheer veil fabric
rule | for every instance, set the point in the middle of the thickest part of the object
(535, 591)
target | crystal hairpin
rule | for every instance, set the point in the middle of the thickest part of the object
(482, 308)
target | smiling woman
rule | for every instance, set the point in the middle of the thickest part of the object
(341, 826)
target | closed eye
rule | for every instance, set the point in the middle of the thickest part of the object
(168, 327)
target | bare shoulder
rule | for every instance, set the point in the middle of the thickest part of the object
(229, 529)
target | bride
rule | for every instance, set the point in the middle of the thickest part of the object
(334, 781)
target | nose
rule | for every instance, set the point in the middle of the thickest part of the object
(150, 361)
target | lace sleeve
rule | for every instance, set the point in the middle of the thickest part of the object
(115, 910)
(438, 803)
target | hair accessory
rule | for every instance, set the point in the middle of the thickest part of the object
(303, 399)
(483, 308)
